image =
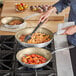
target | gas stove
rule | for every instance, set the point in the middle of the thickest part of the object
(9, 66)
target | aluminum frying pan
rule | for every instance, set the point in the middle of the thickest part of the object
(34, 50)
(40, 51)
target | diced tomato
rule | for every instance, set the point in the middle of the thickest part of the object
(29, 61)
(33, 55)
(21, 4)
(33, 59)
(44, 59)
(38, 56)
(24, 59)
(39, 62)
(28, 57)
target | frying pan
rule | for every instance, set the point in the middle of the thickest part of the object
(40, 51)
(7, 19)
(34, 50)
(28, 30)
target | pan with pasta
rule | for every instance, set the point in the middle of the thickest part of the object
(41, 38)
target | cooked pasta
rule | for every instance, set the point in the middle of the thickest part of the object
(36, 38)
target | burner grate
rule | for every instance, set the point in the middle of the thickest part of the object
(9, 66)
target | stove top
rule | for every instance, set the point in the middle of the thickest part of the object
(9, 66)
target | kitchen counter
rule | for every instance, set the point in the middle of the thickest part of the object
(9, 10)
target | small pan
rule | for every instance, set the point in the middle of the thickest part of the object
(8, 19)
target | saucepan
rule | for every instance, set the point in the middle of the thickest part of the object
(5, 20)
(28, 30)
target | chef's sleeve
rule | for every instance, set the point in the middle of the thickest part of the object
(62, 4)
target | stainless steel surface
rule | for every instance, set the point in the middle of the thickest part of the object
(27, 17)
(63, 60)
(28, 31)
(34, 50)
(63, 49)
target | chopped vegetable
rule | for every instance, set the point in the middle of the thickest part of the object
(33, 59)
(21, 6)
(40, 8)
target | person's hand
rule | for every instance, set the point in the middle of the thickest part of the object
(47, 14)
(69, 30)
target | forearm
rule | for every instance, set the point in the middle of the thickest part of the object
(69, 30)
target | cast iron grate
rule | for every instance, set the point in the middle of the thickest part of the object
(9, 66)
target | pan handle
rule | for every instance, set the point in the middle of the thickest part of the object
(27, 17)
(57, 50)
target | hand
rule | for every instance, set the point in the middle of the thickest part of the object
(69, 30)
(47, 14)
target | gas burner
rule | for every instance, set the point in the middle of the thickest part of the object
(9, 66)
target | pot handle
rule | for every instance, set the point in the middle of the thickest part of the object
(63, 49)
(27, 17)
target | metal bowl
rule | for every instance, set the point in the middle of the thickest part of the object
(34, 50)
(6, 20)
(28, 31)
